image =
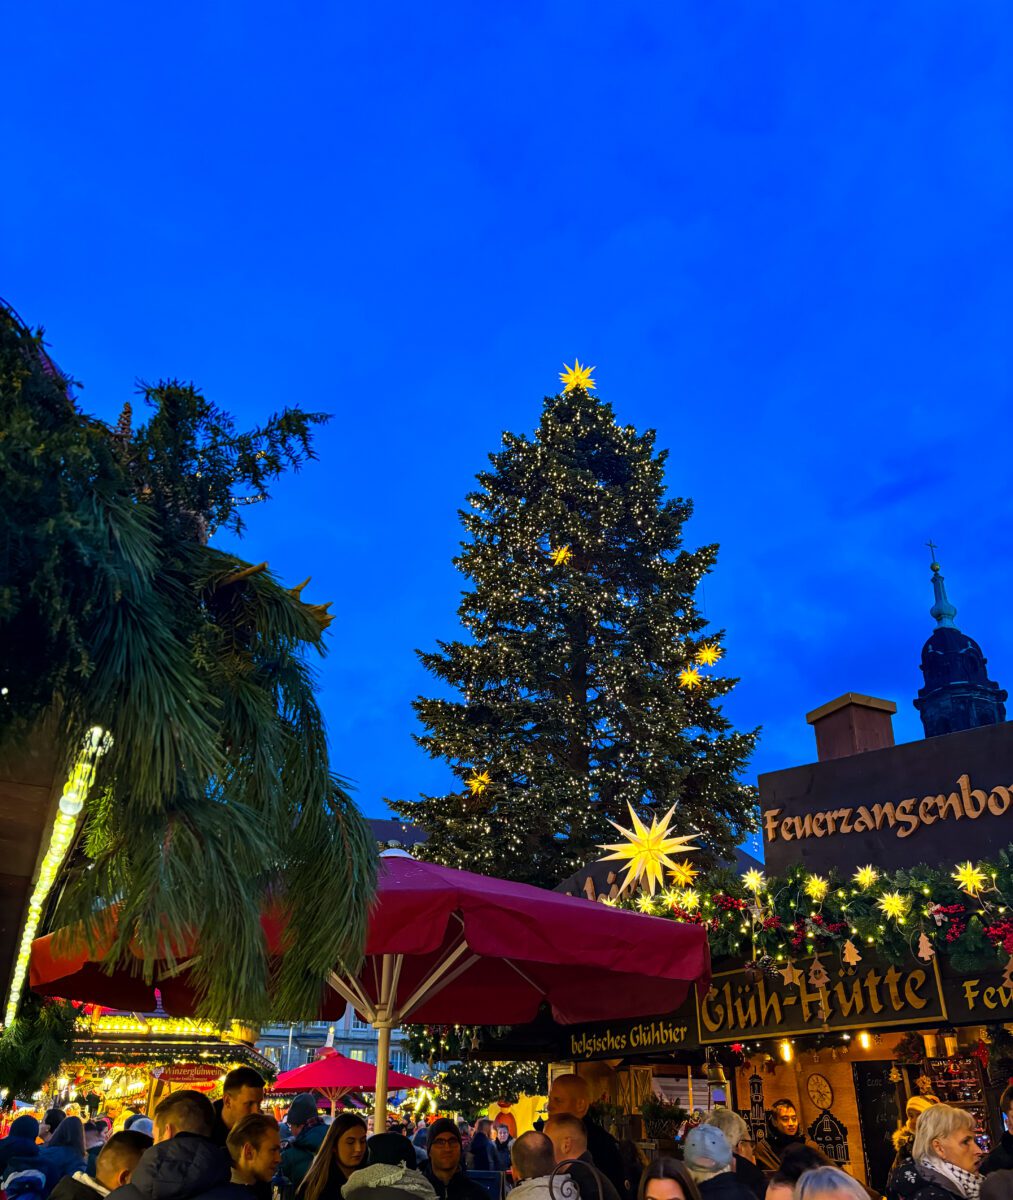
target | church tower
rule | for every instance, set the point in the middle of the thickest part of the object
(958, 693)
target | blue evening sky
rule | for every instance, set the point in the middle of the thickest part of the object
(781, 230)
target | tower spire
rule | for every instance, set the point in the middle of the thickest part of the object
(942, 610)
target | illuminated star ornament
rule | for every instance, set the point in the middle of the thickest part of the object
(576, 377)
(754, 881)
(647, 852)
(894, 905)
(683, 874)
(690, 900)
(561, 556)
(969, 878)
(478, 782)
(866, 877)
(689, 677)
(709, 654)
(645, 904)
(816, 888)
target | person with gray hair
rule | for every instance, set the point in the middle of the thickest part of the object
(829, 1183)
(737, 1133)
(708, 1156)
(534, 1161)
(945, 1158)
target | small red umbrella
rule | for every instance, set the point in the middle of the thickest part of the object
(451, 947)
(334, 1076)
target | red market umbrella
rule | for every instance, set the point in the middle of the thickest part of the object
(450, 947)
(334, 1076)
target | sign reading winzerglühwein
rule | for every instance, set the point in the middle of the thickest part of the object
(938, 800)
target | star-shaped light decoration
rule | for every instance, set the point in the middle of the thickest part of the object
(689, 677)
(709, 654)
(683, 873)
(866, 877)
(672, 897)
(645, 903)
(969, 878)
(478, 781)
(647, 852)
(576, 377)
(561, 556)
(754, 881)
(690, 900)
(894, 905)
(816, 888)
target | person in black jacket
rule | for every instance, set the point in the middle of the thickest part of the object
(708, 1158)
(443, 1167)
(944, 1160)
(184, 1163)
(571, 1094)
(737, 1135)
(483, 1156)
(568, 1135)
(999, 1159)
(20, 1142)
(242, 1095)
(113, 1168)
(782, 1131)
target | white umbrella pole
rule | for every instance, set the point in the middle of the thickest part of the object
(382, 1025)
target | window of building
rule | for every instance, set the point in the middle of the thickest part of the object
(400, 1061)
(358, 1055)
(359, 1024)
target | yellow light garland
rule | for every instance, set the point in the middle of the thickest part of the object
(75, 792)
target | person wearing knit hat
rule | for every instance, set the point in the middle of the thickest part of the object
(20, 1142)
(904, 1135)
(308, 1132)
(708, 1158)
(444, 1168)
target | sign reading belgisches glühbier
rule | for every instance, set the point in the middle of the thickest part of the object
(940, 801)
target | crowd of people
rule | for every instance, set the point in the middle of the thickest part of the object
(232, 1150)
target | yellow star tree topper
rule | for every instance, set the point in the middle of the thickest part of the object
(969, 878)
(647, 852)
(561, 556)
(576, 377)
(709, 654)
(478, 782)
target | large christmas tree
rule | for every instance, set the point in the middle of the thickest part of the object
(586, 679)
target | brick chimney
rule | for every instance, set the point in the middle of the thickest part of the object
(852, 724)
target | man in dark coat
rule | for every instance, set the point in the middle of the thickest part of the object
(569, 1137)
(443, 1167)
(308, 1131)
(184, 1163)
(999, 1159)
(113, 1168)
(571, 1094)
(242, 1095)
(20, 1142)
(782, 1132)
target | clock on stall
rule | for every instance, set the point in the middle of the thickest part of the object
(820, 1091)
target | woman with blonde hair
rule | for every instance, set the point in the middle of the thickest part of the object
(829, 1183)
(945, 1157)
(342, 1151)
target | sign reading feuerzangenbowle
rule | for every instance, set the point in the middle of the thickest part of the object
(940, 800)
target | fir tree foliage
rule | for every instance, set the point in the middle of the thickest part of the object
(217, 799)
(567, 678)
